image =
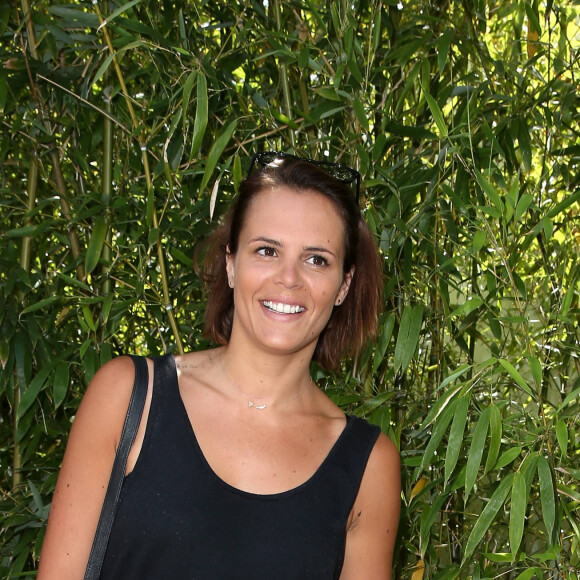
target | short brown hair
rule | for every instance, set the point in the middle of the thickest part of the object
(355, 320)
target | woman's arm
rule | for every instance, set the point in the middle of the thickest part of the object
(370, 539)
(85, 472)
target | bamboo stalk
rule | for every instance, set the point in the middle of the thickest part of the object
(145, 159)
(25, 255)
(56, 166)
(284, 77)
(106, 195)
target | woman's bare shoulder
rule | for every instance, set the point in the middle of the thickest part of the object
(85, 470)
(110, 389)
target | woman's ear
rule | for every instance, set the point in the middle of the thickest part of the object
(230, 269)
(344, 287)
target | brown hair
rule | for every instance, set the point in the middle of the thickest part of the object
(355, 320)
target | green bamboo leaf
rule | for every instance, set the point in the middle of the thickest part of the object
(529, 467)
(384, 339)
(36, 385)
(74, 17)
(461, 370)
(570, 293)
(512, 195)
(360, 114)
(412, 132)
(153, 236)
(377, 30)
(446, 397)
(523, 204)
(487, 516)
(443, 49)
(88, 316)
(408, 336)
(471, 304)
(547, 497)
(107, 304)
(303, 56)
(490, 191)
(533, 18)
(476, 451)
(529, 574)
(37, 497)
(562, 436)
(536, 369)
(567, 202)
(479, 238)
(508, 457)
(450, 572)
(60, 383)
(96, 243)
(201, 115)
(569, 398)
(440, 406)
(439, 429)
(456, 435)
(428, 517)
(518, 512)
(437, 115)
(569, 491)
(41, 304)
(187, 88)
(120, 10)
(490, 211)
(26, 231)
(3, 87)
(328, 93)
(354, 69)
(495, 442)
(237, 172)
(515, 375)
(284, 119)
(38, 382)
(525, 144)
(215, 152)
(73, 281)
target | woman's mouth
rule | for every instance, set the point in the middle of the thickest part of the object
(281, 308)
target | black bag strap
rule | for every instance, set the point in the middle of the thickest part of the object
(130, 427)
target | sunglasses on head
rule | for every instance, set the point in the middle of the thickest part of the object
(340, 172)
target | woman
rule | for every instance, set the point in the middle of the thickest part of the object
(242, 467)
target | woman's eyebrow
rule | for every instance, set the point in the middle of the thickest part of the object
(270, 241)
(318, 249)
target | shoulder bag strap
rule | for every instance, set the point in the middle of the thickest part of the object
(132, 420)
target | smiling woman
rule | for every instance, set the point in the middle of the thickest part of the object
(242, 468)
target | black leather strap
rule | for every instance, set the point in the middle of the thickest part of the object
(132, 420)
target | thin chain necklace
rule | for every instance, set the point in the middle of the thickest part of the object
(263, 405)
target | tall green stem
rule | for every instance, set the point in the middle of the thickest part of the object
(145, 159)
(284, 77)
(106, 193)
(25, 258)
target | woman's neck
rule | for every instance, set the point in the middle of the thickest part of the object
(265, 378)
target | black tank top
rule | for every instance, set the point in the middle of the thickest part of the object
(177, 520)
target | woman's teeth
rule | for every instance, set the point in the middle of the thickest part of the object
(282, 308)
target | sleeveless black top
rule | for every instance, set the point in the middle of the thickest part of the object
(177, 520)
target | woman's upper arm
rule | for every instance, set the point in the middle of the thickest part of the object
(85, 472)
(370, 539)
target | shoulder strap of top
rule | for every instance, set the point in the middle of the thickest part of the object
(130, 427)
(350, 461)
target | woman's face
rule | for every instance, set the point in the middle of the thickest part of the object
(287, 273)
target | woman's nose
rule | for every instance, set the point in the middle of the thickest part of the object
(289, 273)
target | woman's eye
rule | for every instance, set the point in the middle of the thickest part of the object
(317, 261)
(266, 251)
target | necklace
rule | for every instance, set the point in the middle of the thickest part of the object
(263, 405)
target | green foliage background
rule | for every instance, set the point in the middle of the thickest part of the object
(125, 127)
